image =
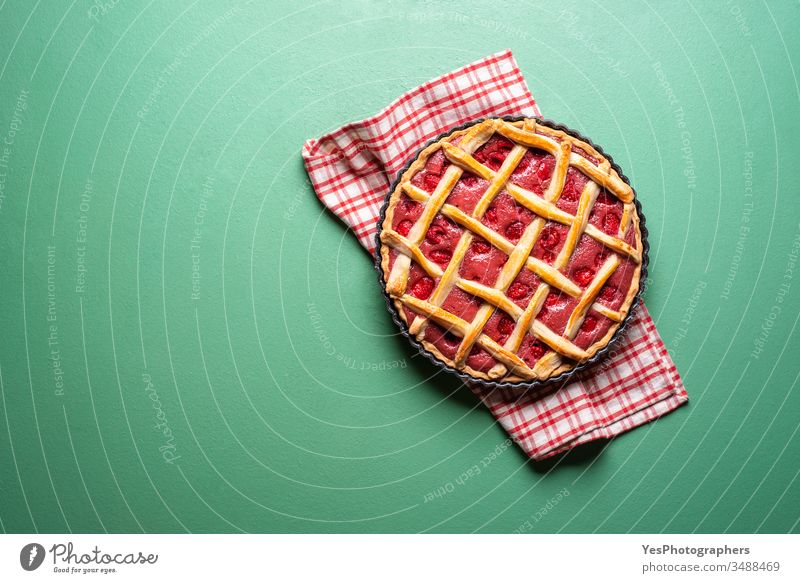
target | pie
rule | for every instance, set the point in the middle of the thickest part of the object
(511, 250)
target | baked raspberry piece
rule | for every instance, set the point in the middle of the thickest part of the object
(494, 152)
(550, 242)
(428, 178)
(507, 218)
(481, 265)
(441, 240)
(571, 193)
(534, 171)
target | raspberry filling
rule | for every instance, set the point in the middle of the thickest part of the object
(507, 217)
(494, 152)
(606, 214)
(523, 287)
(556, 313)
(531, 350)
(519, 291)
(461, 304)
(585, 261)
(422, 288)
(550, 242)
(441, 240)
(506, 325)
(420, 285)
(481, 360)
(571, 193)
(406, 213)
(480, 246)
(594, 327)
(615, 290)
(432, 172)
(482, 263)
(467, 192)
(445, 341)
(499, 327)
(534, 171)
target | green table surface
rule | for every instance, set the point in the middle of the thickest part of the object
(190, 342)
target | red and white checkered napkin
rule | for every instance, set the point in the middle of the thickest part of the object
(351, 169)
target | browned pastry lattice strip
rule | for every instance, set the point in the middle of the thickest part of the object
(585, 205)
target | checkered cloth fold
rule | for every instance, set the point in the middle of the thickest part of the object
(351, 170)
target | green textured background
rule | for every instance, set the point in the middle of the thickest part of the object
(147, 142)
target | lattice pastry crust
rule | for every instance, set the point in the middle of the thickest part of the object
(565, 224)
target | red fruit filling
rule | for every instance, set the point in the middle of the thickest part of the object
(525, 283)
(494, 152)
(461, 304)
(531, 350)
(573, 187)
(409, 206)
(429, 181)
(436, 234)
(550, 242)
(506, 325)
(550, 238)
(404, 228)
(518, 291)
(608, 293)
(600, 258)
(481, 246)
(611, 223)
(584, 276)
(406, 213)
(534, 171)
(552, 299)
(436, 163)
(604, 198)
(469, 179)
(422, 288)
(570, 191)
(451, 339)
(514, 231)
(441, 256)
(545, 168)
(594, 327)
(589, 324)
(620, 283)
(482, 263)
(555, 314)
